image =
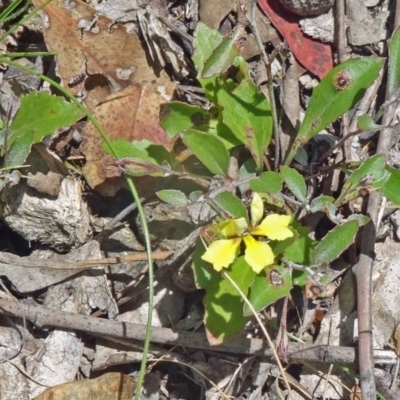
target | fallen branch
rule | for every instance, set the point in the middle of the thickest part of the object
(43, 317)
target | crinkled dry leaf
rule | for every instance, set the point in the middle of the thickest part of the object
(95, 46)
(131, 114)
(112, 385)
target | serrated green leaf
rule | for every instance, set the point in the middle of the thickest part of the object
(172, 196)
(205, 41)
(224, 305)
(359, 218)
(371, 174)
(269, 182)
(268, 288)
(324, 204)
(247, 113)
(295, 182)
(391, 187)
(393, 79)
(40, 115)
(229, 203)
(176, 117)
(209, 149)
(335, 243)
(337, 93)
(224, 54)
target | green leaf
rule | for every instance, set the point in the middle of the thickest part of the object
(300, 251)
(209, 149)
(177, 117)
(359, 218)
(228, 202)
(324, 204)
(224, 54)
(247, 113)
(366, 123)
(335, 242)
(391, 187)
(393, 79)
(142, 150)
(40, 115)
(370, 175)
(172, 196)
(269, 287)
(224, 305)
(337, 93)
(268, 182)
(218, 128)
(204, 274)
(137, 167)
(205, 41)
(295, 182)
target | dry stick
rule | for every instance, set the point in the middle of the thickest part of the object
(63, 264)
(270, 83)
(363, 270)
(42, 317)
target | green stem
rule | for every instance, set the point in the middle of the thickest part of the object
(30, 54)
(6, 14)
(23, 20)
(146, 233)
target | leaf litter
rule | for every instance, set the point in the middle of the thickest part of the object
(73, 210)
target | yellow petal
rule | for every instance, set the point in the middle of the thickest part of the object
(256, 209)
(274, 226)
(241, 226)
(222, 253)
(227, 228)
(233, 227)
(258, 254)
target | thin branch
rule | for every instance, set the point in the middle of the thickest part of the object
(45, 317)
(270, 83)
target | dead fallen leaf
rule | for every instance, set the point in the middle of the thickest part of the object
(132, 114)
(313, 55)
(94, 46)
(110, 386)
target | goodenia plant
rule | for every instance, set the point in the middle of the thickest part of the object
(258, 254)
(263, 248)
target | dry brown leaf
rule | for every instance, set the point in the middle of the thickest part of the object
(132, 114)
(92, 45)
(110, 386)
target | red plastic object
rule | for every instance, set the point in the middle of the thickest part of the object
(313, 55)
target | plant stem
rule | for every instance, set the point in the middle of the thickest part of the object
(23, 20)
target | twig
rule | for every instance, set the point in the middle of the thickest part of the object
(363, 269)
(118, 218)
(340, 29)
(63, 264)
(42, 317)
(270, 83)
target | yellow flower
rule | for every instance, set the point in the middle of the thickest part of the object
(258, 255)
